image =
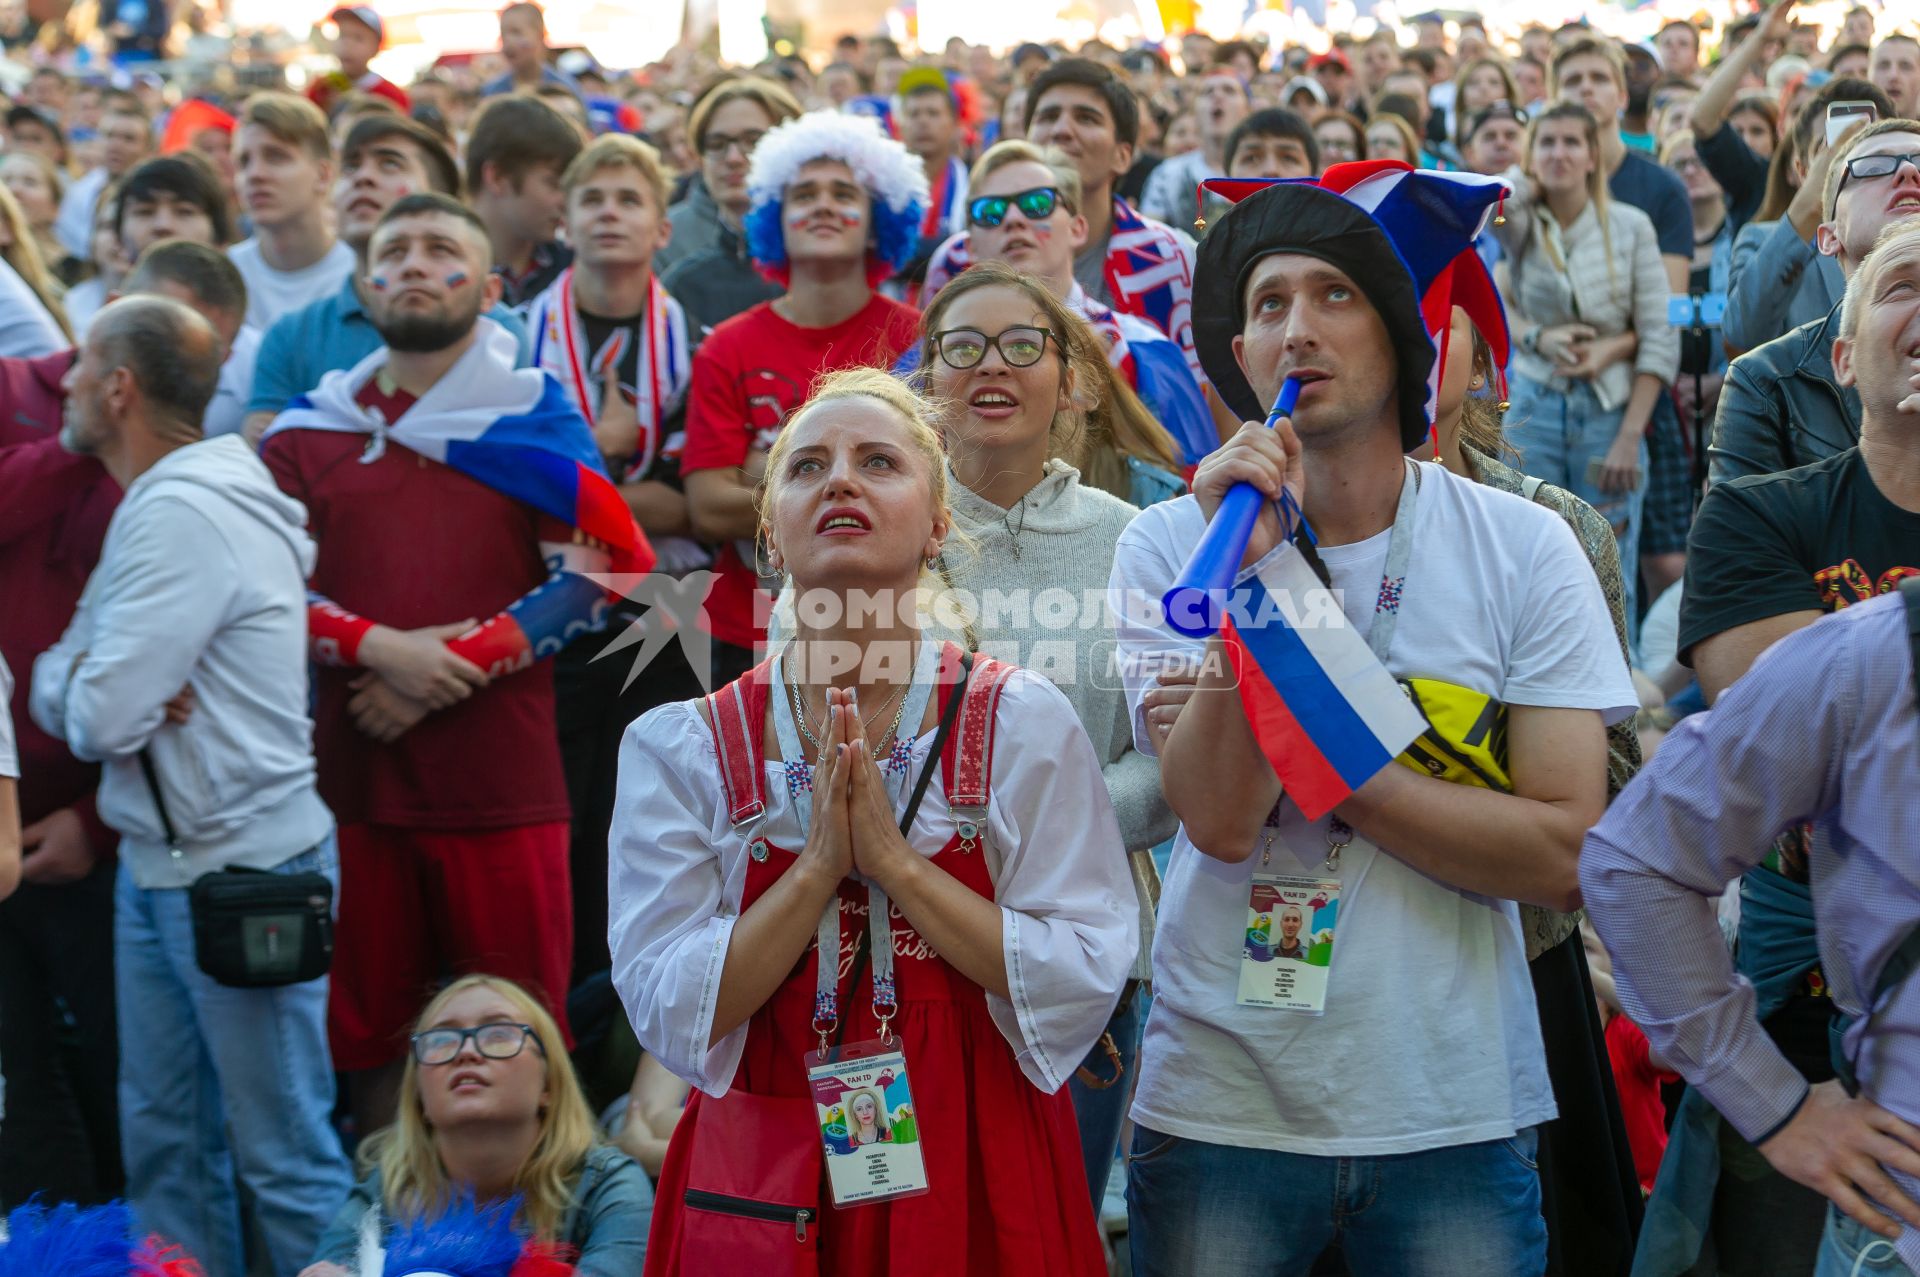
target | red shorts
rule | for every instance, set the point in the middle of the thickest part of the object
(419, 906)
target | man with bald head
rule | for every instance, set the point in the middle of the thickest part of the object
(187, 656)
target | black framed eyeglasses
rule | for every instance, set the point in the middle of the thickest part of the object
(1034, 205)
(964, 348)
(1866, 167)
(715, 145)
(497, 1041)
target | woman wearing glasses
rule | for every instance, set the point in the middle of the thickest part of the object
(1030, 416)
(982, 930)
(489, 1106)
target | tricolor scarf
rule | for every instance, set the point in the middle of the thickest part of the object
(944, 208)
(1156, 371)
(1149, 275)
(664, 366)
(512, 429)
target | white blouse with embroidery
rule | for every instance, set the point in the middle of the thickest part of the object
(677, 871)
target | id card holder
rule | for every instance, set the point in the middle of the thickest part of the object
(868, 1125)
(1287, 950)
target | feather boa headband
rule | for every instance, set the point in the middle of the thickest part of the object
(892, 175)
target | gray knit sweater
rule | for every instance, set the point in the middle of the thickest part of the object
(1061, 540)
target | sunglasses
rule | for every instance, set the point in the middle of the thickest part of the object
(963, 348)
(497, 1041)
(1034, 205)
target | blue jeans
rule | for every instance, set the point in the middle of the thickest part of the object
(217, 1082)
(1100, 1113)
(1847, 1249)
(1209, 1210)
(1558, 436)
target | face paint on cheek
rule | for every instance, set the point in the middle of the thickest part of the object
(798, 220)
(457, 279)
(378, 283)
(850, 219)
(1043, 230)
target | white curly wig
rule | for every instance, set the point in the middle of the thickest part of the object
(890, 172)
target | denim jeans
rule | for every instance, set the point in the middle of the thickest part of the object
(1558, 437)
(218, 1082)
(1209, 1210)
(1100, 1113)
(1849, 1250)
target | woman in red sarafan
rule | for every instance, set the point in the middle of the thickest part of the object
(749, 821)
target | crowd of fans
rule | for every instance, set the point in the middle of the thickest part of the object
(328, 417)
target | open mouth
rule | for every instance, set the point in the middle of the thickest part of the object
(992, 401)
(843, 522)
(467, 1080)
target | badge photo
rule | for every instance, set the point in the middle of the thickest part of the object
(1287, 951)
(867, 1125)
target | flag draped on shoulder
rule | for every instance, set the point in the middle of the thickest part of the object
(512, 429)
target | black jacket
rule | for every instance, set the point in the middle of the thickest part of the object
(1781, 407)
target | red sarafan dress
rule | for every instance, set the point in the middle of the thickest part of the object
(744, 1187)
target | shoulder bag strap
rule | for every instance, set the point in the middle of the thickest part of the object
(1910, 595)
(948, 713)
(160, 804)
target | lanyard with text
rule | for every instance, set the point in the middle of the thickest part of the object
(1386, 619)
(826, 1001)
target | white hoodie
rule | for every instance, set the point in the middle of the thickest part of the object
(201, 583)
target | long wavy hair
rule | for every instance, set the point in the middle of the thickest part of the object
(23, 254)
(1105, 423)
(414, 1183)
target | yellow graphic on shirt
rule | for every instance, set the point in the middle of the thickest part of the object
(1466, 737)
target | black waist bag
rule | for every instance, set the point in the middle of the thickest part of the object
(254, 929)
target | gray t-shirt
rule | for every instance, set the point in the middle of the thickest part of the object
(1090, 268)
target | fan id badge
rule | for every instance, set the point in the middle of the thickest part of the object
(1286, 951)
(867, 1124)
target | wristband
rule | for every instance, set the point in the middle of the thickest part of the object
(333, 633)
(499, 646)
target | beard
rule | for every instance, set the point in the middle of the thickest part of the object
(423, 333)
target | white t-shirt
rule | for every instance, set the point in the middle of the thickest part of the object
(272, 293)
(27, 327)
(9, 751)
(228, 407)
(1430, 1036)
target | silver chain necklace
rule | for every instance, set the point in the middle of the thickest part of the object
(820, 750)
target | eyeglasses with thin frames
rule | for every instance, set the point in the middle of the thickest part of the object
(964, 348)
(716, 145)
(500, 1040)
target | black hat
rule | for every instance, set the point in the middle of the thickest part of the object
(1300, 217)
(1405, 236)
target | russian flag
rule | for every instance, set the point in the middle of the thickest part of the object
(1326, 712)
(512, 429)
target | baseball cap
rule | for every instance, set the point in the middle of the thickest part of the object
(1331, 58)
(365, 16)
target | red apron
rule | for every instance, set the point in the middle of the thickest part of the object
(1007, 1190)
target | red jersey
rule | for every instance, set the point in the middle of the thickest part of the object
(748, 377)
(409, 542)
(1638, 1082)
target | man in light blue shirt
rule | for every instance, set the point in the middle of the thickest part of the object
(385, 157)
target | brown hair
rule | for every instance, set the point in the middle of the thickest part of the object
(1352, 122)
(618, 150)
(1781, 183)
(1587, 47)
(1596, 184)
(517, 134)
(779, 104)
(1107, 424)
(293, 120)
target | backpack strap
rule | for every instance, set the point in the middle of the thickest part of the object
(966, 759)
(738, 714)
(1910, 595)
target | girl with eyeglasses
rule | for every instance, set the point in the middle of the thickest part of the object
(780, 891)
(490, 1107)
(1030, 421)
